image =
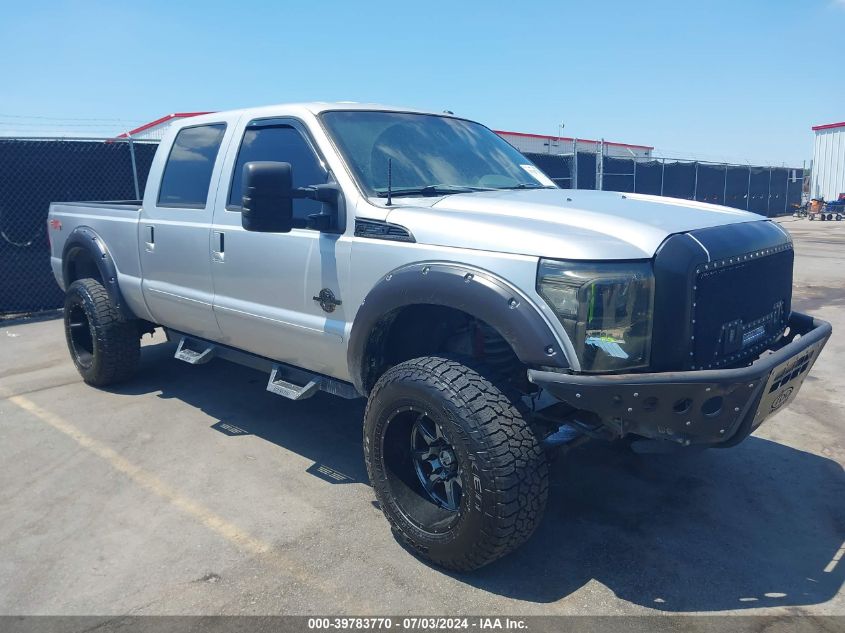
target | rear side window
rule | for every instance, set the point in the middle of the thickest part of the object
(187, 174)
(282, 143)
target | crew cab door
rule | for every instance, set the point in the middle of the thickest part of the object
(175, 228)
(265, 284)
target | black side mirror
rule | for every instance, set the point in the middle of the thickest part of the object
(268, 197)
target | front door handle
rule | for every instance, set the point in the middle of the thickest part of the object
(150, 241)
(218, 248)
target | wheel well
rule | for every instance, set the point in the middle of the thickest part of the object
(425, 329)
(81, 265)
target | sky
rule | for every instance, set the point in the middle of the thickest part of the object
(739, 81)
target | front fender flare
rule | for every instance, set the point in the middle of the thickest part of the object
(84, 238)
(475, 291)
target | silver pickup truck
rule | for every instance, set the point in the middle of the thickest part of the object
(421, 262)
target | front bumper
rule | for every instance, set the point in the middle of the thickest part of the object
(707, 407)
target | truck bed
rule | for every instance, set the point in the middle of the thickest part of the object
(99, 203)
(116, 223)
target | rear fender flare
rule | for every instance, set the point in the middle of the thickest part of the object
(474, 291)
(85, 239)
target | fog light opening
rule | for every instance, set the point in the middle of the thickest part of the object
(712, 406)
(682, 406)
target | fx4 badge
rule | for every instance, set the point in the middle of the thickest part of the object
(327, 300)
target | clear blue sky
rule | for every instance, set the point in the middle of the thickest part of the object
(720, 79)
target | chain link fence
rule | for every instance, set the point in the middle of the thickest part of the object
(769, 191)
(37, 171)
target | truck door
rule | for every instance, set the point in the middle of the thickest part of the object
(265, 284)
(175, 229)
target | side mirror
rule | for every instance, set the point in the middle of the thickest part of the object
(268, 197)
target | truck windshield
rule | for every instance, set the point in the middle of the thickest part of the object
(429, 154)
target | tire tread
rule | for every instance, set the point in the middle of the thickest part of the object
(117, 341)
(512, 456)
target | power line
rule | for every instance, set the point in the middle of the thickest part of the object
(59, 125)
(51, 118)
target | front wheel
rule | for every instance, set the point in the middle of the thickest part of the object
(457, 470)
(104, 347)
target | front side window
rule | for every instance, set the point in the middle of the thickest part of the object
(428, 154)
(187, 173)
(285, 144)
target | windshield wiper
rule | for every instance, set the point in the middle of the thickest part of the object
(529, 185)
(431, 190)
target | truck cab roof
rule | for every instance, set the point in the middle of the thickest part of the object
(302, 108)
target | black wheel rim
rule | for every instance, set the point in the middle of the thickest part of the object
(79, 335)
(423, 469)
(435, 463)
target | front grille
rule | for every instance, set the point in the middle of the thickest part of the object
(740, 305)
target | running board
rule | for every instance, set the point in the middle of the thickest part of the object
(287, 381)
(280, 383)
(194, 352)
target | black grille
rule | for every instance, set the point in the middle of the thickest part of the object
(740, 305)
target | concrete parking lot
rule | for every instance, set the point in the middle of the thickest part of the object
(192, 490)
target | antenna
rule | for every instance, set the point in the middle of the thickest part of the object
(389, 181)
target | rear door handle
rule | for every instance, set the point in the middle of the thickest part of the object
(218, 249)
(150, 241)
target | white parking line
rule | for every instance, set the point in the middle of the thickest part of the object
(150, 482)
(835, 560)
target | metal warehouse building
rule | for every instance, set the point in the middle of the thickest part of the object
(828, 179)
(539, 144)
(527, 143)
(154, 130)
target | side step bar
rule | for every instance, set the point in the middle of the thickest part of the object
(285, 380)
(194, 351)
(287, 389)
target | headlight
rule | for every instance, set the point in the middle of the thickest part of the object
(605, 308)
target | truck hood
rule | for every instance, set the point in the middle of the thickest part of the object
(561, 223)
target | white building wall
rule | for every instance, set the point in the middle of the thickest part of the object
(154, 133)
(828, 178)
(537, 144)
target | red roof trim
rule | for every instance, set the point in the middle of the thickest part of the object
(569, 138)
(164, 119)
(828, 126)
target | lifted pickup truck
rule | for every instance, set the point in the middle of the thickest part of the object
(420, 261)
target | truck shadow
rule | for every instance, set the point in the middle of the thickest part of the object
(759, 525)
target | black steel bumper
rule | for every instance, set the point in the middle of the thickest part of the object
(715, 407)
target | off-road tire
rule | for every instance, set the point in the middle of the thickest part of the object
(104, 347)
(503, 467)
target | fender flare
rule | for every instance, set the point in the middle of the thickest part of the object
(475, 291)
(84, 238)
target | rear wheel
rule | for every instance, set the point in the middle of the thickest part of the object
(104, 347)
(457, 470)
